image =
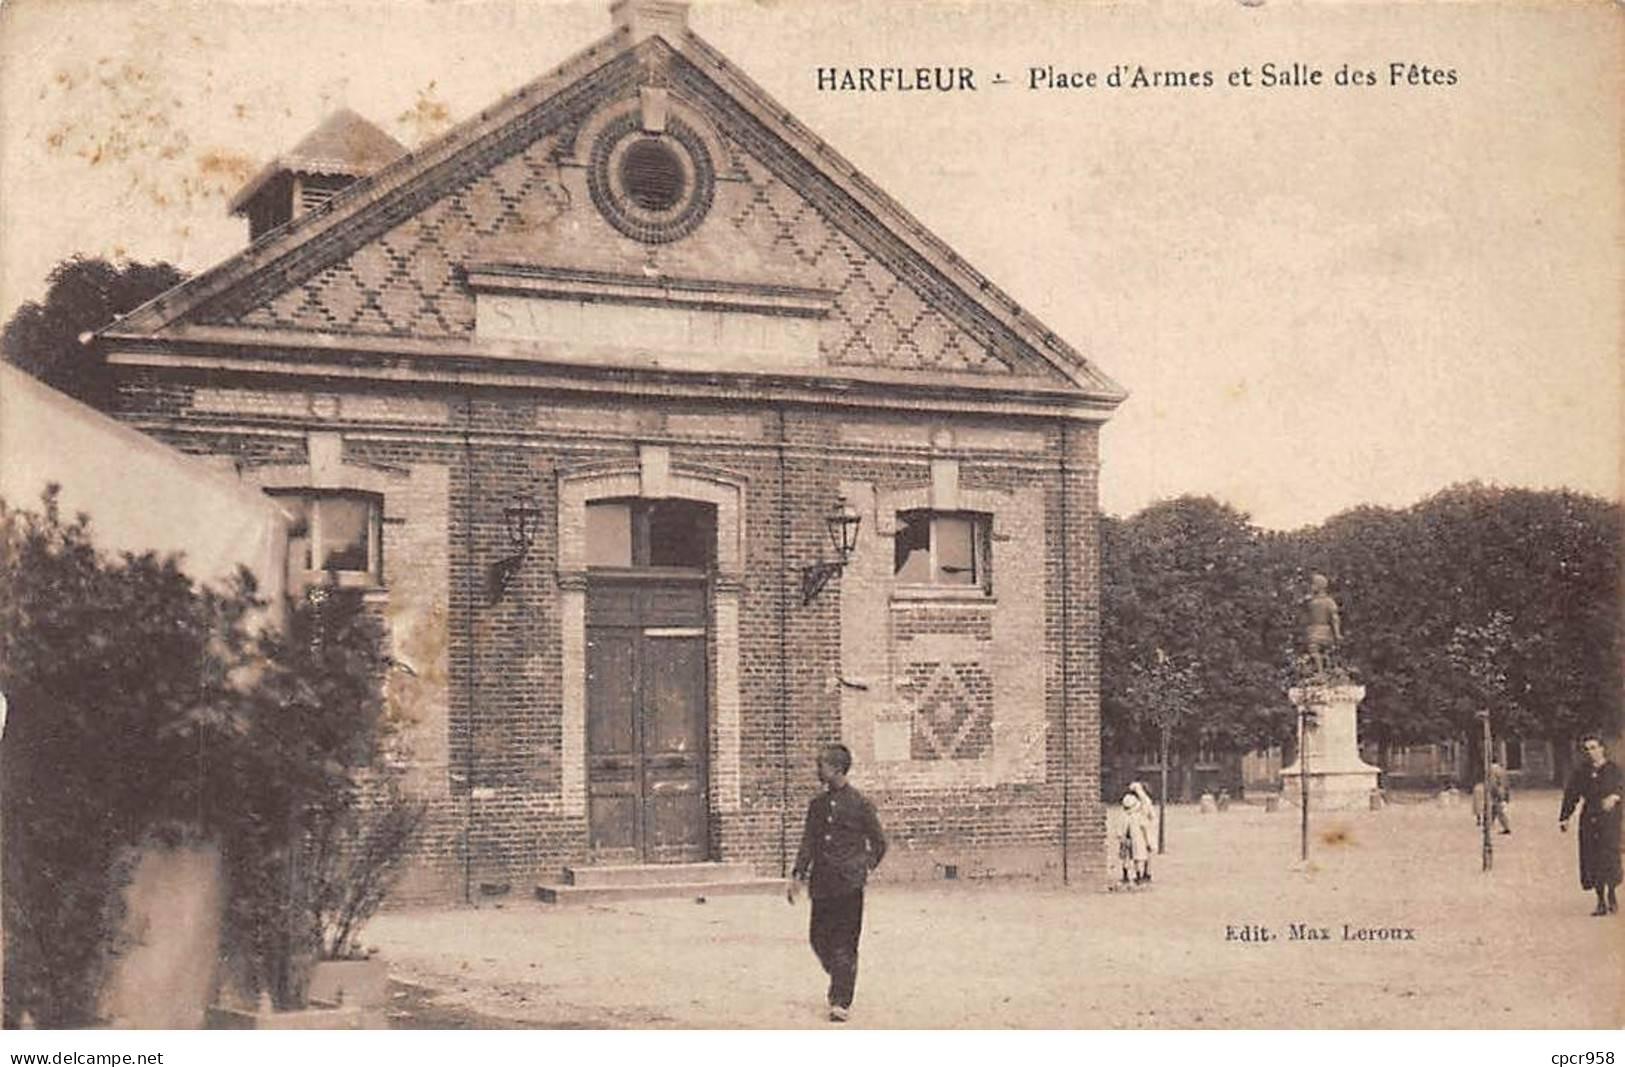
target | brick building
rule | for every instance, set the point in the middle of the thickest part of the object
(571, 391)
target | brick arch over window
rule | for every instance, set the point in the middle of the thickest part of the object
(652, 477)
(326, 472)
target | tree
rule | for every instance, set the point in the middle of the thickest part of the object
(1549, 562)
(1472, 582)
(314, 822)
(1189, 586)
(1160, 697)
(84, 294)
(1478, 654)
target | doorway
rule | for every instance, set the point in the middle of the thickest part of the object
(647, 696)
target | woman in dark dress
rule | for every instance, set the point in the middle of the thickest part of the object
(1596, 782)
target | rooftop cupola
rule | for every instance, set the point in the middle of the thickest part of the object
(343, 148)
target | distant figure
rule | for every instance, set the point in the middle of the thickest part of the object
(1323, 627)
(1596, 785)
(1151, 815)
(1134, 843)
(1500, 795)
(840, 844)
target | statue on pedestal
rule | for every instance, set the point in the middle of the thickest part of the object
(1328, 769)
(1322, 625)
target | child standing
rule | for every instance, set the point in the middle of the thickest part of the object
(1134, 845)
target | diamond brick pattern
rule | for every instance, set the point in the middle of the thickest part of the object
(878, 319)
(406, 283)
(953, 710)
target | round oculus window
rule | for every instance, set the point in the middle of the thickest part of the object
(652, 175)
(654, 187)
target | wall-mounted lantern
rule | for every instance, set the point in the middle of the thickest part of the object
(842, 521)
(524, 522)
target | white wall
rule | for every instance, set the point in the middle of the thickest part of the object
(140, 494)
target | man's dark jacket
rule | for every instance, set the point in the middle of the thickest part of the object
(840, 844)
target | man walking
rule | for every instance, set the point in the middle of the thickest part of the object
(840, 844)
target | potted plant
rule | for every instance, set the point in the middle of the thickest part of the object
(321, 824)
(352, 870)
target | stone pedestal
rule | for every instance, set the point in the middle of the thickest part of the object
(1339, 780)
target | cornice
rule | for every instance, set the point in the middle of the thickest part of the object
(285, 354)
(605, 287)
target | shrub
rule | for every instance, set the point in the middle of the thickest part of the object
(142, 705)
(103, 662)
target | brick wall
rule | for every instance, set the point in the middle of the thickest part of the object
(484, 703)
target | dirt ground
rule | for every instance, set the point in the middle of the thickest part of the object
(1514, 948)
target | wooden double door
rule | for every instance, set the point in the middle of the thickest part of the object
(647, 720)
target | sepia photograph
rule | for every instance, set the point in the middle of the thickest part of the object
(601, 514)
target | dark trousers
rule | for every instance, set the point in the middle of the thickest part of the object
(836, 923)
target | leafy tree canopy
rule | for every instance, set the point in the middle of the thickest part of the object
(85, 294)
(1477, 597)
(1527, 578)
(1189, 592)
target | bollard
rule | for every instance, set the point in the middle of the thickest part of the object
(1208, 804)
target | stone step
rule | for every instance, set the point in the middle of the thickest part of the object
(658, 874)
(600, 894)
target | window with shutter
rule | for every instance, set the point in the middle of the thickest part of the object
(335, 537)
(946, 549)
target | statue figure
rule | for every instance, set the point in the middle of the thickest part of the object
(1322, 626)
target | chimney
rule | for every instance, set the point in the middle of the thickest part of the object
(651, 18)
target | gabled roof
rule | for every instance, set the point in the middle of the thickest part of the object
(345, 143)
(387, 188)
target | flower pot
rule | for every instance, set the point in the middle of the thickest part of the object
(343, 1017)
(362, 984)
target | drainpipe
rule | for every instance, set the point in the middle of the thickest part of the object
(1066, 673)
(784, 665)
(470, 684)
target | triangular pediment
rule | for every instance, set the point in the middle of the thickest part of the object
(516, 226)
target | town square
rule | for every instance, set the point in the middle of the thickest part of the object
(664, 515)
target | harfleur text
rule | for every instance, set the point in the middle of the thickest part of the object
(1051, 77)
